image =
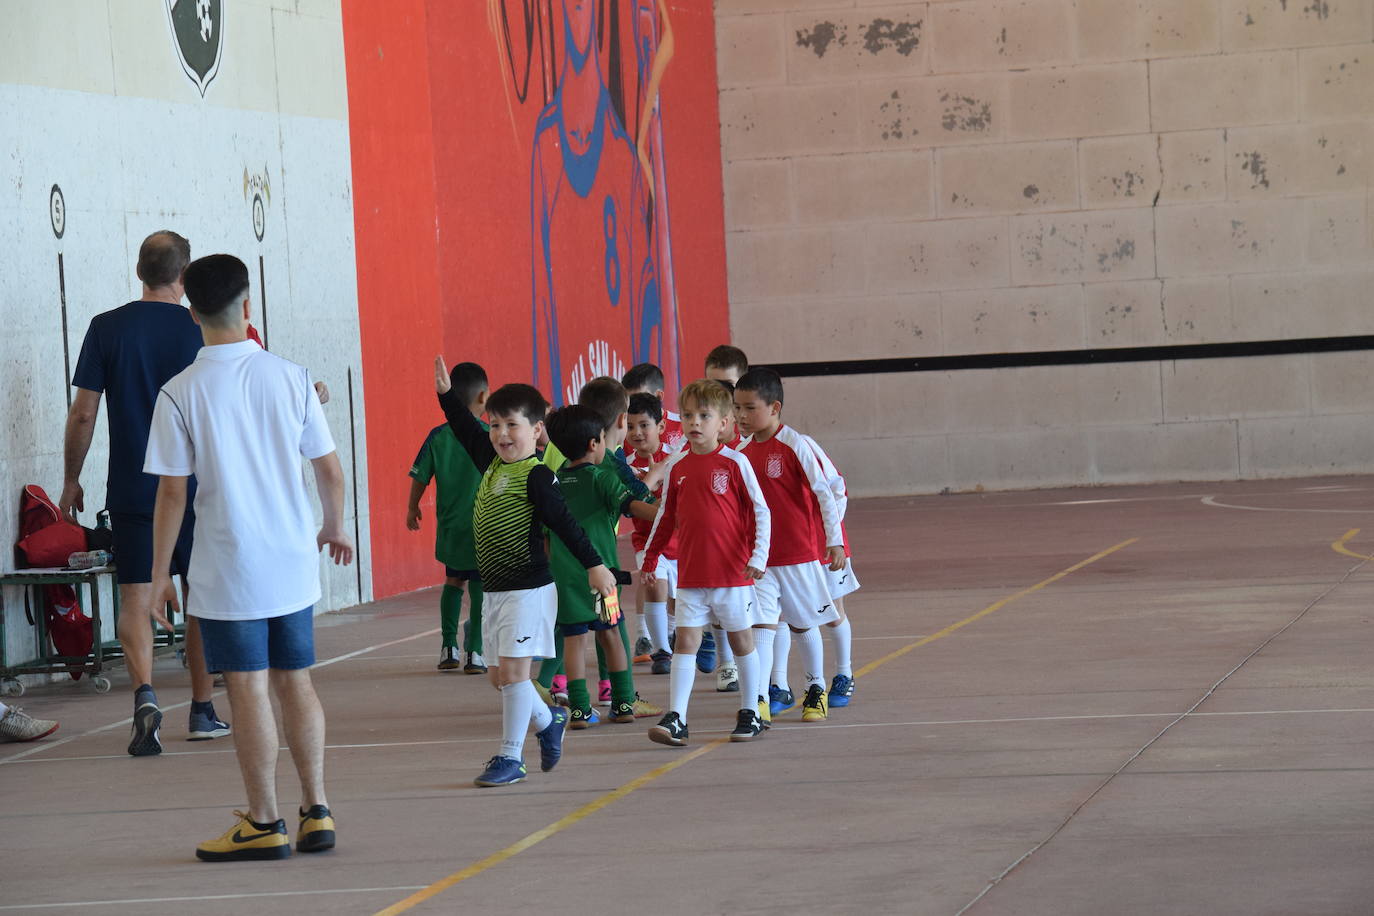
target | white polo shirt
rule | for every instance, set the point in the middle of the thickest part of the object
(240, 419)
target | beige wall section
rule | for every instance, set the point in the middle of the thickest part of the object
(984, 176)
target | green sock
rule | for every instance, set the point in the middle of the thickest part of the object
(450, 608)
(622, 687)
(472, 633)
(578, 697)
(552, 666)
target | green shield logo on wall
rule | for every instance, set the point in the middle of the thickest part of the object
(198, 33)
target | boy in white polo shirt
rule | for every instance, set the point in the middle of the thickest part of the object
(240, 420)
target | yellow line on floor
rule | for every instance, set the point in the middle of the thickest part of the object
(1339, 546)
(990, 609)
(639, 782)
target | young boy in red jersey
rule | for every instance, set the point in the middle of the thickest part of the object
(724, 364)
(646, 419)
(795, 589)
(712, 500)
(646, 378)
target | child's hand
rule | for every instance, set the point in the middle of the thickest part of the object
(752, 573)
(836, 557)
(441, 382)
(602, 580)
(413, 518)
(647, 580)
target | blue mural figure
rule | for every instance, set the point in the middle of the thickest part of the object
(596, 305)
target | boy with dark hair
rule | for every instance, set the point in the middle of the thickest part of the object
(456, 478)
(795, 588)
(727, 363)
(517, 499)
(240, 419)
(646, 378)
(646, 425)
(711, 499)
(596, 498)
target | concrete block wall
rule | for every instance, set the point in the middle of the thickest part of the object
(985, 176)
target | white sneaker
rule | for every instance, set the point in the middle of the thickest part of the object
(17, 725)
(727, 679)
(475, 664)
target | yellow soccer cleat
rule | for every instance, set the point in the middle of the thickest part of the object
(815, 707)
(247, 841)
(765, 716)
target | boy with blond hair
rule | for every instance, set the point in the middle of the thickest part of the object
(795, 589)
(712, 501)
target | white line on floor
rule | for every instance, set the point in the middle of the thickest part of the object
(1212, 501)
(52, 745)
(1125, 715)
(337, 890)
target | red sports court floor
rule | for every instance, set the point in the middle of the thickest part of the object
(1127, 700)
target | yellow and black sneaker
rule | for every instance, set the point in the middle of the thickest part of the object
(814, 707)
(317, 830)
(246, 841)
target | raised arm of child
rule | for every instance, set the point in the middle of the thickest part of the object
(465, 426)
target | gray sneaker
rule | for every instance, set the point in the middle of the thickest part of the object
(17, 725)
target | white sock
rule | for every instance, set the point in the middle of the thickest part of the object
(842, 637)
(3, 709)
(723, 650)
(656, 619)
(680, 679)
(517, 703)
(813, 656)
(763, 645)
(540, 715)
(748, 674)
(782, 646)
(642, 631)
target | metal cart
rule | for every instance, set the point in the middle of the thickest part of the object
(44, 660)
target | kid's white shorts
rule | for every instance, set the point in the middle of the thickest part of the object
(732, 609)
(842, 582)
(519, 624)
(798, 595)
(666, 570)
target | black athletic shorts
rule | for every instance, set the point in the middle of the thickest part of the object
(133, 546)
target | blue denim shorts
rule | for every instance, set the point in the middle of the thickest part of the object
(285, 643)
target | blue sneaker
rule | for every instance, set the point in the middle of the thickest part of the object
(551, 739)
(706, 655)
(841, 689)
(779, 700)
(205, 726)
(501, 771)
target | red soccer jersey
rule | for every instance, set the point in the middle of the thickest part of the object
(639, 536)
(714, 504)
(673, 437)
(837, 487)
(798, 495)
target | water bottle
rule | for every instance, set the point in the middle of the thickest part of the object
(89, 559)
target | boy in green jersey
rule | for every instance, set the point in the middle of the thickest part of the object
(516, 501)
(456, 478)
(597, 499)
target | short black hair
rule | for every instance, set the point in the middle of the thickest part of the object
(517, 398)
(607, 397)
(468, 381)
(643, 377)
(766, 383)
(213, 284)
(646, 403)
(162, 257)
(572, 429)
(727, 357)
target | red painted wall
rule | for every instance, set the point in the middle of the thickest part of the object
(447, 167)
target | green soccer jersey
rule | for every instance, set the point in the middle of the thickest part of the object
(443, 460)
(597, 499)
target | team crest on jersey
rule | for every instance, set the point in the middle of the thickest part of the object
(720, 482)
(774, 467)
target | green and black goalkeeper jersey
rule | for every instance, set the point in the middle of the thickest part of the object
(515, 502)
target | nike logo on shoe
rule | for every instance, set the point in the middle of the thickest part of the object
(238, 836)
